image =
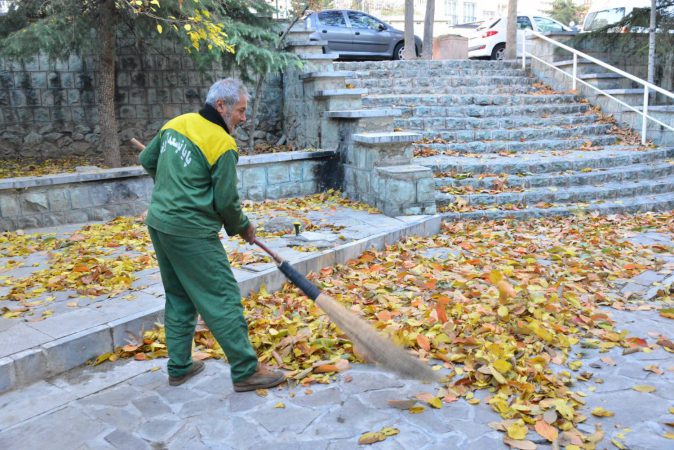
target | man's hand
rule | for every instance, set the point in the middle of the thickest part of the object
(248, 234)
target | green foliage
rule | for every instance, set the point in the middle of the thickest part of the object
(566, 11)
(241, 33)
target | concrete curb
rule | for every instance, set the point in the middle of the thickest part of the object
(57, 356)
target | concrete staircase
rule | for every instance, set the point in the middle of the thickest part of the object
(501, 144)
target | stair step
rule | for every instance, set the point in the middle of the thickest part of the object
(438, 123)
(519, 135)
(339, 93)
(538, 163)
(362, 113)
(466, 100)
(436, 82)
(583, 177)
(475, 111)
(437, 72)
(621, 205)
(448, 90)
(385, 137)
(428, 64)
(575, 194)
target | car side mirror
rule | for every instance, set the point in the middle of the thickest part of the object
(381, 27)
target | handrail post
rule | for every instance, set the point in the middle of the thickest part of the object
(644, 117)
(575, 71)
(524, 50)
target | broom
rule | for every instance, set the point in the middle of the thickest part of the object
(365, 337)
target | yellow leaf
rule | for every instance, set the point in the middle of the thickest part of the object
(417, 409)
(601, 412)
(389, 431)
(371, 438)
(502, 311)
(564, 409)
(280, 405)
(104, 357)
(159, 28)
(618, 444)
(671, 410)
(668, 313)
(502, 365)
(518, 430)
(644, 388)
(187, 27)
(669, 435)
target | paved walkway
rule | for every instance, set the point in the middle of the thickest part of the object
(129, 405)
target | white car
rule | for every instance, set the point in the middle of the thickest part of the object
(489, 40)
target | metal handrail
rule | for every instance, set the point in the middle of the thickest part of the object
(574, 75)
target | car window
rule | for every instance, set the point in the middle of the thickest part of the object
(360, 20)
(523, 23)
(603, 18)
(332, 18)
(547, 25)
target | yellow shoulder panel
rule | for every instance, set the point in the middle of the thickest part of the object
(211, 139)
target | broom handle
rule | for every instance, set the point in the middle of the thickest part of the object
(267, 250)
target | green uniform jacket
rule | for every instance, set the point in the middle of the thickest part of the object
(193, 163)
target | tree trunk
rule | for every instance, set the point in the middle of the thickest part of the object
(511, 31)
(253, 114)
(409, 52)
(109, 141)
(651, 44)
(427, 52)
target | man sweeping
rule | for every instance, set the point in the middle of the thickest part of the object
(193, 163)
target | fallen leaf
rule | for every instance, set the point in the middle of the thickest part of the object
(262, 392)
(520, 445)
(280, 405)
(371, 438)
(644, 388)
(601, 412)
(518, 430)
(547, 431)
(667, 313)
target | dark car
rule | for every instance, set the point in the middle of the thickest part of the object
(357, 35)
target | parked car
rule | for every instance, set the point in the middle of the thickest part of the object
(608, 13)
(357, 35)
(489, 40)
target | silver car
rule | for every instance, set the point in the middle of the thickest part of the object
(357, 35)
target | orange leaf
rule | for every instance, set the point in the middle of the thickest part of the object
(423, 342)
(80, 268)
(326, 368)
(442, 315)
(547, 431)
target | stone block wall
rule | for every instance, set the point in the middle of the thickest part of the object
(92, 195)
(49, 108)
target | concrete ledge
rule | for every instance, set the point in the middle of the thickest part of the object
(569, 62)
(624, 91)
(324, 93)
(65, 178)
(363, 113)
(607, 75)
(318, 56)
(282, 156)
(297, 43)
(386, 138)
(309, 76)
(60, 355)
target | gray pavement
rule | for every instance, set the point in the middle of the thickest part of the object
(129, 405)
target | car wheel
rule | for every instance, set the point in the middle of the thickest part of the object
(399, 51)
(499, 52)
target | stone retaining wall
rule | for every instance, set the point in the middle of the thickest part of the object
(48, 108)
(97, 194)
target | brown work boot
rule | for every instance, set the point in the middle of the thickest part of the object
(197, 366)
(262, 378)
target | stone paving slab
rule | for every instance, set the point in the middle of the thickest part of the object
(34, 350)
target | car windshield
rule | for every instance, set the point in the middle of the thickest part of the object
(601, 19)
(488, 24)
(546, 25)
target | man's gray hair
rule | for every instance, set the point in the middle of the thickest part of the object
(229, 90)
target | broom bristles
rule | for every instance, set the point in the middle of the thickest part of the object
(375, 346)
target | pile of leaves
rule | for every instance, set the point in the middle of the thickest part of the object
(98, 259)
(31, 167)
(498, 312)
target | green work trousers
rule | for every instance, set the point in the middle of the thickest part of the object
(198, 280)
